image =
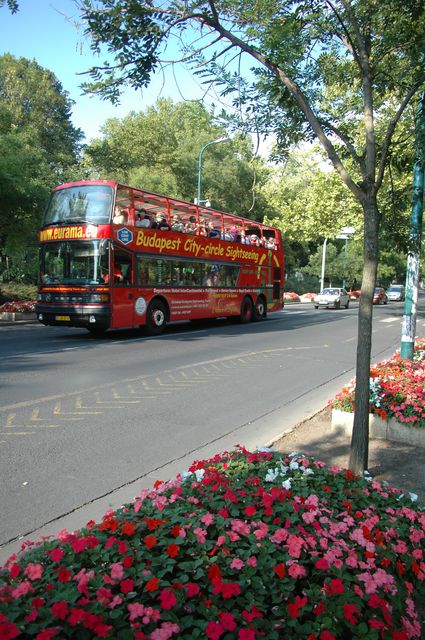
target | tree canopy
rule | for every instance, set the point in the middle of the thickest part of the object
(40, 146)
(158, 149)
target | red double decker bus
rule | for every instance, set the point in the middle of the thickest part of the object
(113, 256)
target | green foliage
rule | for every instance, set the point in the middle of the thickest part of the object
(39, 147)
(10, 291)
(158, 150)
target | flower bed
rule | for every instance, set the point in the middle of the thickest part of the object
(27, 306)
(243, 546)
(397, 389)
(290, 296)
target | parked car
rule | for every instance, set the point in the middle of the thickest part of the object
(379, 296)
(332, 297)
(395, 292)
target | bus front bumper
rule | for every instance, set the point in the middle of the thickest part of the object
(88, 316)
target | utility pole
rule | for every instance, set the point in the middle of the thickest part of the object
(413, 257)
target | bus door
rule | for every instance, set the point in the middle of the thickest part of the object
(122, 289)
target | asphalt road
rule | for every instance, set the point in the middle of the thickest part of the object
(85, 423)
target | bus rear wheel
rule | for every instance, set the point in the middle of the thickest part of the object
(247, 310)
(156, 318)
(260, 309)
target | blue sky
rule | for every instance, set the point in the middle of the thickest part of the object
(45, 30)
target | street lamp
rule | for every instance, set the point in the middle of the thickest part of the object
(224, 139)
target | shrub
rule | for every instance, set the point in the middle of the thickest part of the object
(396, 389)
(242, 546)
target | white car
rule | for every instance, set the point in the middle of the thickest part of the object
(395, 292)
(332, 297)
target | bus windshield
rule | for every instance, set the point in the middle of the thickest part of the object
(77, 262)
(79, 204)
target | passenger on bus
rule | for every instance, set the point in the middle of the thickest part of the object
(271, 243)
(190, 227)
(254, 239)
(120, 216)
(202, 228)
(212, 231)
(161, 223)
(143, 219)
(176, 224)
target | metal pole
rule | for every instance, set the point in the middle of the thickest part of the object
(322, 279)
(198, 198)
(413, 257)
(345, 262)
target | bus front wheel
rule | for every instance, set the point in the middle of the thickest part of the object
(260, 309)
(156, 318)
(247, 310)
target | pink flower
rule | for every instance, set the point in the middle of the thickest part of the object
(33, 571)
(296, 570)
(135, 610)
(295, 544)
(236, 564)
(207, 519)
(117, 571)
(201, 534)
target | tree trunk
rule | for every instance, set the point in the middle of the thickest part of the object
(359, 451)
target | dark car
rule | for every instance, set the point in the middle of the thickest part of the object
(379, 296)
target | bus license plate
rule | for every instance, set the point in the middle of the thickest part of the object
(63, 318)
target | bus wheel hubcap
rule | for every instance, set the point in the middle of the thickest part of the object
(158, 317)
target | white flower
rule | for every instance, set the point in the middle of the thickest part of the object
(271, 475)
(286, 484)
(309, 472)
(294, 465)
(413, 496)
(199, 473)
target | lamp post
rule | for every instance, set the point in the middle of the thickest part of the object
(224, 139)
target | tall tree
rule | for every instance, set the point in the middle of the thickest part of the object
(40, 146)
(340, 71)
(158, 149)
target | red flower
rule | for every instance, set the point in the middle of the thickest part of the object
(76, 616)
(227, 621)
(64, 575)
(152, 585)
(126, 585)
(295, 607)
(214, 630)
(150, 541)
(322, 563)
(250, 511)
(335, 586)
(168, 599)
(128, 529)
(128, 562)
(214, 573)
(60, 609)
(8, 630)
(173, 550)
(56, 554)
(350, 612)
(280, 570)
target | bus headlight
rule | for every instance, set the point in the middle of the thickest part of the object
(99, 297)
